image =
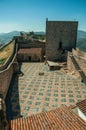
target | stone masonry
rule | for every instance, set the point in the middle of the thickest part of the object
(60, 36)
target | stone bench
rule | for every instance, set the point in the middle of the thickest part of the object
(53, 65)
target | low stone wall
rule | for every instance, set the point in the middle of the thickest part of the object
(79, 53)
(71, 65)
(5, 79)
(25, 58)
(7, 71)
(81, 59)
(6, 44)
(76, 63)
(35, 44)
(6, 76)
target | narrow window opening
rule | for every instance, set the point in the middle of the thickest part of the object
(29, 58)
(60, 45)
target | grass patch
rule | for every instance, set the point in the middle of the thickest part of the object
(2, 61)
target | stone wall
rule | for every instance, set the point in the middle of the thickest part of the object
(7, 71)
(80, 57)
(29, 58)
(60, 36)
(9, 59)
(71, 65)
(5, 78)
(30, 55)
(31, 44)
(76, 63)
(6, 74)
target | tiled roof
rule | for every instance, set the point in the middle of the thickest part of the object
(82, 106)
(30, 51)
(58, 119)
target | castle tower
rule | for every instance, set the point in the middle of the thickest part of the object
(60, 36)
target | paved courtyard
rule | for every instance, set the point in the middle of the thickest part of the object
(33, 93)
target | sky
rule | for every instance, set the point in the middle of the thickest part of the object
(30, 15)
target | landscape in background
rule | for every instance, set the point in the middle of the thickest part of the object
(43, 74)
(42, 64)
(7, 37)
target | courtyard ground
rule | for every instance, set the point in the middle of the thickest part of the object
(33, 93)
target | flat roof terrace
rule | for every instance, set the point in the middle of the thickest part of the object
(33, 93)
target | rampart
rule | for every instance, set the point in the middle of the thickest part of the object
(76, 63)
(7, 70)
(81, 59)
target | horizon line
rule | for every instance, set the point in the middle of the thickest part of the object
(32, 30)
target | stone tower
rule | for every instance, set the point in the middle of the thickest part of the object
(60, 36)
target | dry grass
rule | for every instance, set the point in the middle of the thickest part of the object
(5, 53)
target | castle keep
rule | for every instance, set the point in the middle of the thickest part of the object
(60, 36)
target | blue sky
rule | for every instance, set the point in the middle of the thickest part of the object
(30, 15)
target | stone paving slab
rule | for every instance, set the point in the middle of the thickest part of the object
(33, 93)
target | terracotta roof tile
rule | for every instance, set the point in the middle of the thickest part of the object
(72, 106)
(59, 119)
(82, 106)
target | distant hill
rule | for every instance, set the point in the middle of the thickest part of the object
(6, 37)
(81, 38)
(81, 44)
(40, 33)
(81, 34)
(13, 33)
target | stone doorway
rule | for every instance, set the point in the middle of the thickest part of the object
(29, 58)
